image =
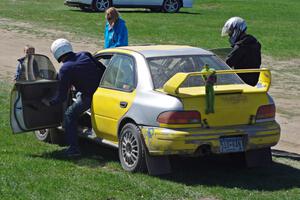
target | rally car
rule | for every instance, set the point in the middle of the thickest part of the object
(152, 103)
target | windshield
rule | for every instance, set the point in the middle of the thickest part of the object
(163, 68)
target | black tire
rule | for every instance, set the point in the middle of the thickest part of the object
(171, 6)
(101, 5)
(51, 135)
(131, 149)
(43, 135)
(57, 137)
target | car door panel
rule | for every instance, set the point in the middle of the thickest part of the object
(137, 2)
(108, 110)
(27, 110)
(114, 96)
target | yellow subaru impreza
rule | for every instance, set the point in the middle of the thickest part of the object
(153, 102)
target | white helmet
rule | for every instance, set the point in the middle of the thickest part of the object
(60, 47)
(233, 28)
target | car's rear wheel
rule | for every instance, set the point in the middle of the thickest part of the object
(131, 149)
(101, 5)
(171, 6)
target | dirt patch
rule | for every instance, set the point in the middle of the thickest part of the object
(285, 90)
(285, 73)
(15, 35)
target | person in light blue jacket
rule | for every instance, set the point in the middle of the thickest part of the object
(115, 34)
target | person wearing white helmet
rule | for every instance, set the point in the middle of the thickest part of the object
(246, 52)
(81, 71)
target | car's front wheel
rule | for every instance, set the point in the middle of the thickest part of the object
(171, 6)
(51, 135)
(131, 149)
(43, 135)
(101, 5)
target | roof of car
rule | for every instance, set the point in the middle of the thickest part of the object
(166, 50)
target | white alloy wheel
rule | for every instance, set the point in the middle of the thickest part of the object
(171, 6)
(101, 5)
(131, 149)
(43, 135)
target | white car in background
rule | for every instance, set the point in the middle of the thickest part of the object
(170, 6)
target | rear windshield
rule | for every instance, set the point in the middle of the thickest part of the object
(163, 68)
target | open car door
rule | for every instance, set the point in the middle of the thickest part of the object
(221, 52)
(38, 80)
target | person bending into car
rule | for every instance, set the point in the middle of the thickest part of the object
(115, 33)
(246, 49)
(81, 71)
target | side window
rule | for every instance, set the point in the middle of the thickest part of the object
(37, 67)
(119, 73)
(104, 59)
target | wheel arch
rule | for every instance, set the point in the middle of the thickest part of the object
(123, 122)
(180, 1)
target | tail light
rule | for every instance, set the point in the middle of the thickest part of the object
(266, 112)
(179, 117)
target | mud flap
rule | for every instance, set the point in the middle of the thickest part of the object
(258, 157)
(158, 165)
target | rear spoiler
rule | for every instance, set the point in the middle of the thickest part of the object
(173, 84)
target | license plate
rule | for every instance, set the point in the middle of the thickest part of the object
(231, 144)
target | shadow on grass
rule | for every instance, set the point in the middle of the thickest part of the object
(92, 155)
(223, 171)
(227, 172)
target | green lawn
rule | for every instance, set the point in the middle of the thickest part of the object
(274, 22)
(30, 169)
(33, 170)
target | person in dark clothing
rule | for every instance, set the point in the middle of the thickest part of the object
(246, 52)
(81, 71)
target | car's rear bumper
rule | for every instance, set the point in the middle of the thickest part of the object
(163, 141)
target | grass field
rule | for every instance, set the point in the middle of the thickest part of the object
(274, 22)
(30, 169)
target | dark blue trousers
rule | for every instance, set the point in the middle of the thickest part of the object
(71, 117)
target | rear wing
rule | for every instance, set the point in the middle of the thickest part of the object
(173, 84)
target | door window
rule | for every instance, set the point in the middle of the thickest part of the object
(37, 67)
(103, 59)
(120, 73)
